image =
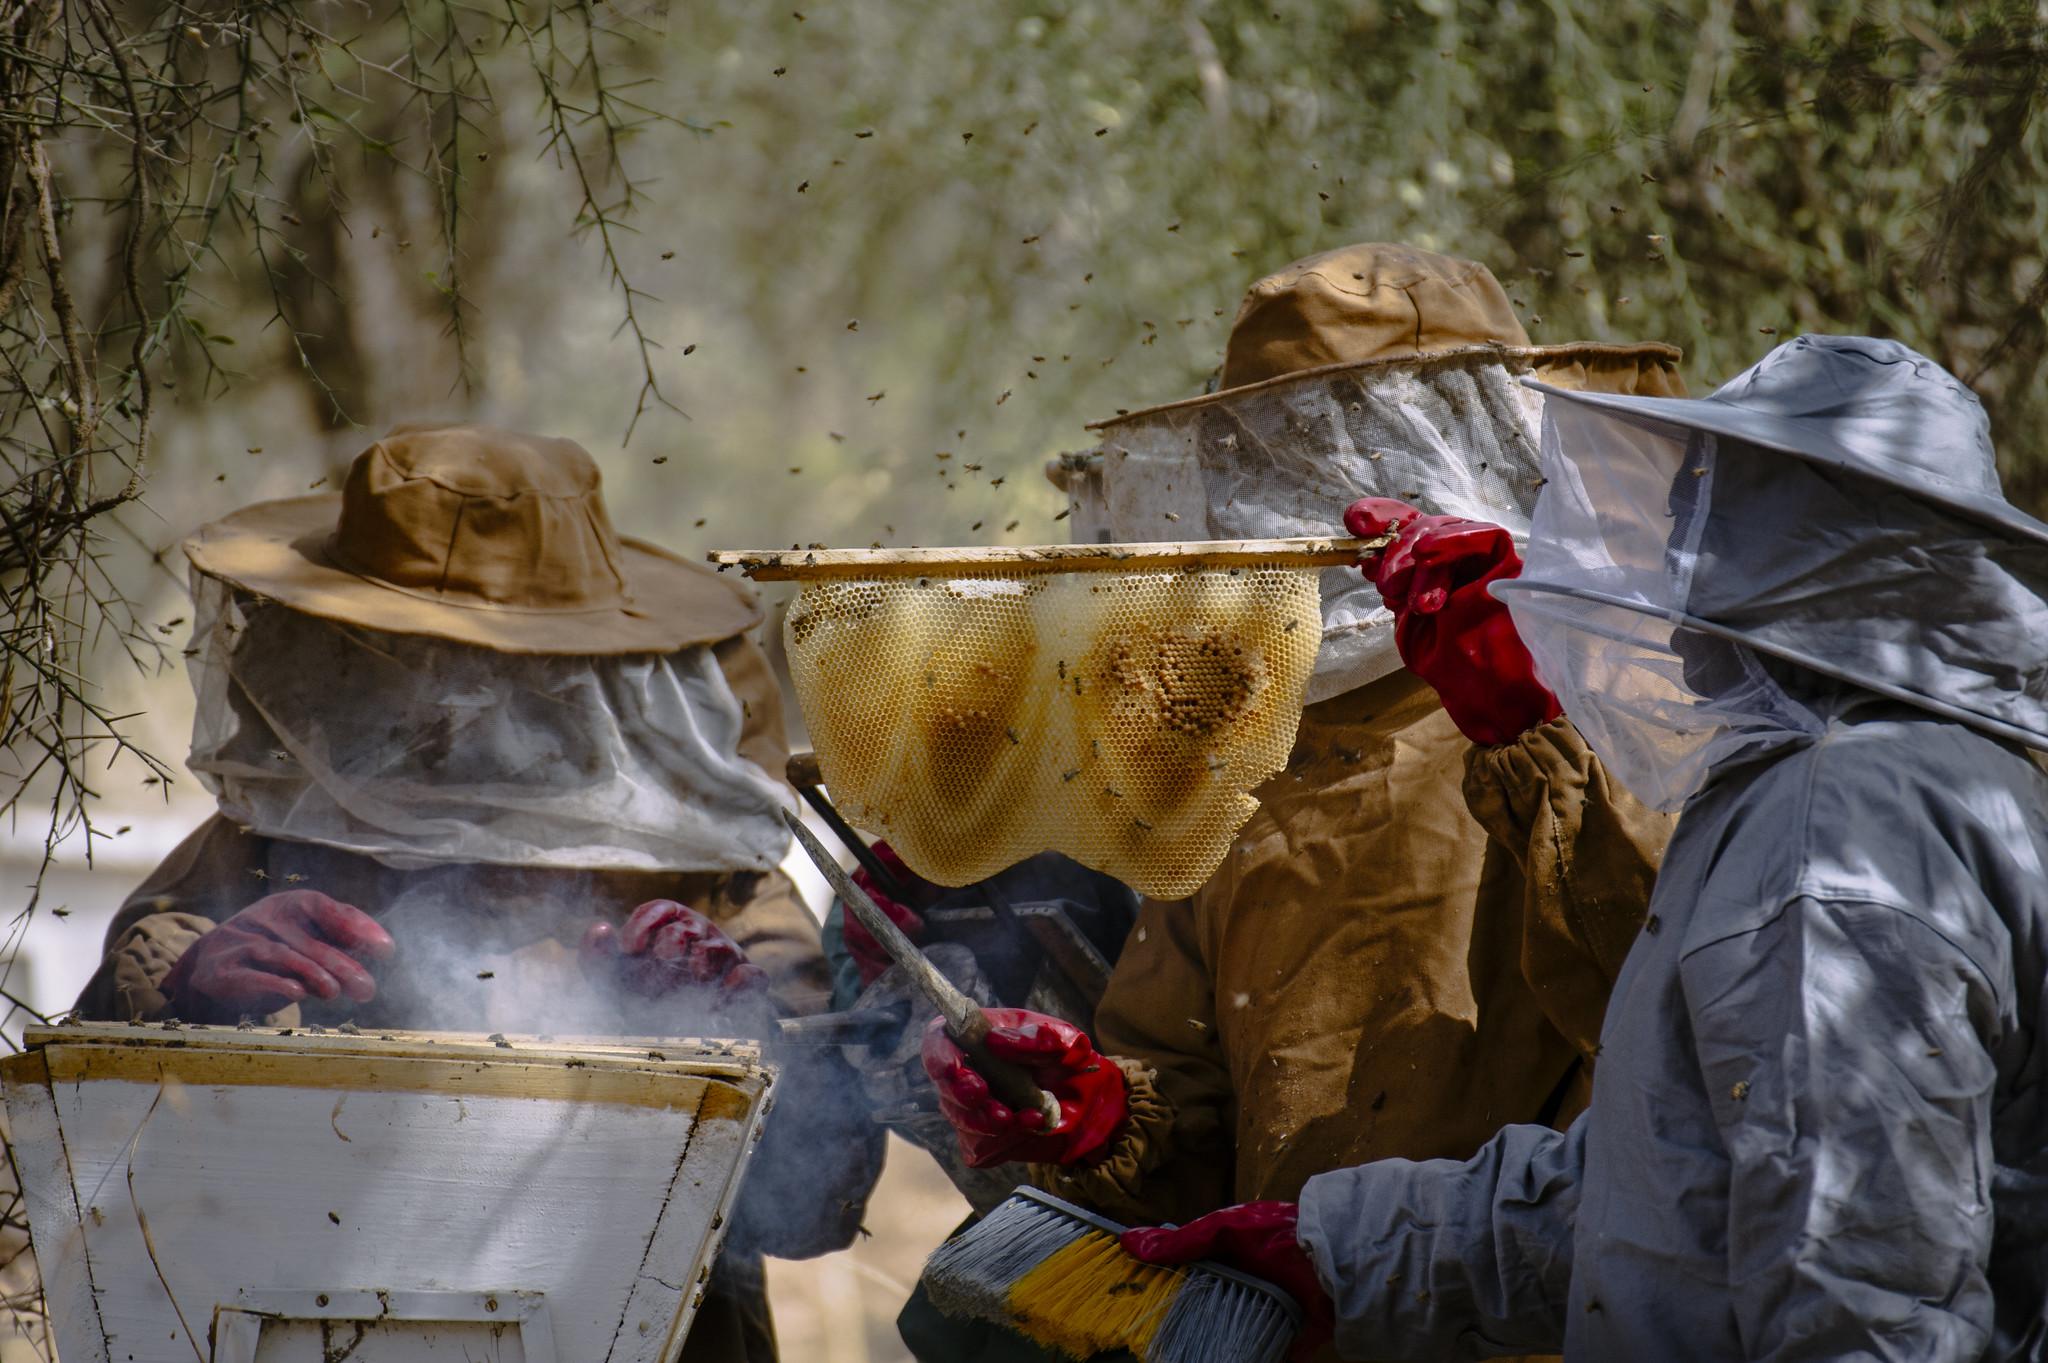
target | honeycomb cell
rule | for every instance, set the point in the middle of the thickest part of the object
(1119, 717)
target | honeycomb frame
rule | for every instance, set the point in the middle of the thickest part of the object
(976, 714)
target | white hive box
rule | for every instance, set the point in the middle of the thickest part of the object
(274, 1196)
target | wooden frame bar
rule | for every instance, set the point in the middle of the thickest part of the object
(786, 565)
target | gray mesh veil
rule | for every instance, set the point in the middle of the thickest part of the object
(418, 751)
(1673, 573)
(1456, 434)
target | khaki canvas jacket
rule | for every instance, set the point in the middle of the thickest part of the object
(1410, 946)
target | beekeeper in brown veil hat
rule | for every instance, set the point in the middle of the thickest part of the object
(482, 763)
(1367, 974)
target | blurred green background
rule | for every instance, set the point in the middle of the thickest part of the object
(872, 234)
(878, 232)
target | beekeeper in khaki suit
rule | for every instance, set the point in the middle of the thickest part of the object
(483, 764)
(1412, 941)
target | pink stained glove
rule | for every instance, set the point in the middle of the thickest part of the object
(665, 946)
(1449, 629)
(280, 950)
(1259, 1238)
(867, 953)
(1058, 1055)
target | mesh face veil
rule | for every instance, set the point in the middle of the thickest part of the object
(1453, 433)
(1453, 436)
(1119, 717)
(1602, 604)
(417, 751)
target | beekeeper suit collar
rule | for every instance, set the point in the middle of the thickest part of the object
(1818, 510)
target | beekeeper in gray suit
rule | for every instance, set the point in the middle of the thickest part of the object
(1802, 609)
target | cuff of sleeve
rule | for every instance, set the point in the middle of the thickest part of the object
(144, 955)
(1114, 1184)
(1378, 1284)
(1507, 786)
(1314, 1239)
(1446, 1258)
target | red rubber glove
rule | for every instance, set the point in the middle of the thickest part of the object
(1450, 630)
(1057, 1054)
(665, 946)
(1258, 1238)
(278, 951)
(867, 953)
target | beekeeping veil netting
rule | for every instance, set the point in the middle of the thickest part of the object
(1694, 597)
(1601, 603)
(1454, 433)
(417, 751)
(975, 716)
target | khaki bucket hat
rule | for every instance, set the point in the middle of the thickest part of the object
(1367, 302)
(1388, 303)
(1374, 370)
(482, 536)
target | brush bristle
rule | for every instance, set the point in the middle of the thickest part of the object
(971, 1275)
(1091, 1297)
(1057, 1274)
(1213, 1317)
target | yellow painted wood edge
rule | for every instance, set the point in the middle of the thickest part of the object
(24, 1067)
(647, 1087)
(724, 1059)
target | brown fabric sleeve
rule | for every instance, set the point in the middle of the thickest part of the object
(1158, 1020)
(205, 880)
(763, 740)
(764, 914)
(126, 989)
(1577, 853)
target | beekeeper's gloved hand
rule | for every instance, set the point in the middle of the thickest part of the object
(280, 950)
(1258, 1238)
(1059, 1056)
(867, 953)
(1449, 629)
(664, 947)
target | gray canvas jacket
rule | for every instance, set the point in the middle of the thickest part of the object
(1819, 1123)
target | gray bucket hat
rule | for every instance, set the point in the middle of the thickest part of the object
(1855, 403)
(1891, 561)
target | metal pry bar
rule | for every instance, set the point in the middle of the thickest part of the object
(804, 773)
(855, 1027)
(965, 1022)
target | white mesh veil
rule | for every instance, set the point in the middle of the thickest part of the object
(1456, 434)
(1601, 603)
(417, 751)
